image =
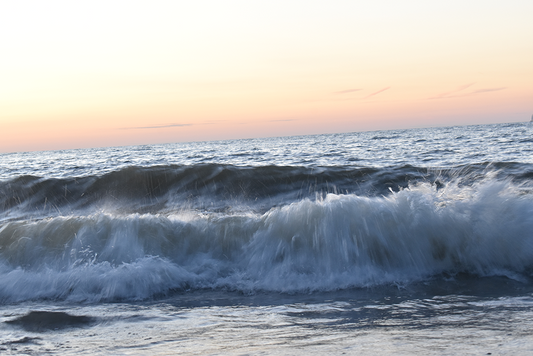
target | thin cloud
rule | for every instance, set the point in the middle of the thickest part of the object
(283, 120)
(488, 90)
(347, 91)
(459, 92)
(156, 127)
(451, 93)
(376, 93)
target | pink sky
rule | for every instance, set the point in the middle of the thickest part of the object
(97, 73)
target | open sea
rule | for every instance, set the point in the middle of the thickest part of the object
(401, 242)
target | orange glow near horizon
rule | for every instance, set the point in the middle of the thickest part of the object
(89, 74)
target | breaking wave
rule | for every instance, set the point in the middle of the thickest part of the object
(424, 230)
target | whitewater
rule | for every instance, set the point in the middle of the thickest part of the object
(393, 242)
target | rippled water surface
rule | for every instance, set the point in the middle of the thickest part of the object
(431, 147)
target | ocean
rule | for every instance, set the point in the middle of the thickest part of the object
(399, 242)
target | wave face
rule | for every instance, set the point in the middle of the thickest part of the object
(334, 241)
(214, 187)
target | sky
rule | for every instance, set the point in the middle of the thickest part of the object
(77, 74)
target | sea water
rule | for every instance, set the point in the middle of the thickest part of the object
(388, 242)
